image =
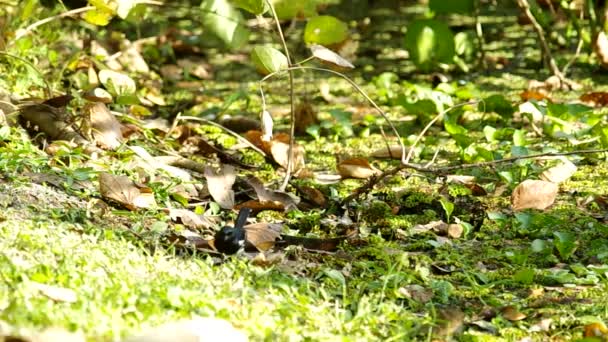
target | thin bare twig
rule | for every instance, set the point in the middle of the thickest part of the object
(369, 185)
(525, 6)
(235, 134)
(24, 32)
(359, 90)
(292, 130)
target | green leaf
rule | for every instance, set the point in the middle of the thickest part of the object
(566, 244)
(225, 22)
(497, 104)
(524, 276)
(452, 6)
(256, 7)
(325, 30)
(429, 42)
(519, 138)
(290, 9)
(124, 7)
(448, 208)
(490, 133)
(99, 16)
(268, 60)
(465, 45)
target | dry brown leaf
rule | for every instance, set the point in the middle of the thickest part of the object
(451, 321)
(264, 260)
(512, 313)
(326, 55)
(262, 235)
(357, 168)
(533, 194)
(313, 195)
(596, 329)
(417, 293)
(306, 116)
(596, 98)
(191, 219)
(196, 67)
(393, 152)
(266, 195)
(280, 152)
(105, 129)
(56, 293)
(220, 185)
(240, 124)
(123, 191)
(171, 72)
(537, 95)
(256, 206)
(560, 172)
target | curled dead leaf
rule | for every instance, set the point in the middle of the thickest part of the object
(511, 313)
(220, 185)
(357, 168)
(534, 194)
(326, 55)
(105, 129)
(262, 235)
(288, 201)
(122, 190)
(559, 173)
(393, 152)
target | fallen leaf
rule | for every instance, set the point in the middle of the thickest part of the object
(220, 184)
(511, 313)
(324, 54)
(417, 293)
(313, 195)
(264, 194)
(123, 191)
(256, 206)
(240, 124)
(262, 235)
(59, 101)
(596, 98)
(105, 129)
(306, 116)
(264, 260)
(132, 59)
(537, 95)
(533, 194)
(357, 168)
(451, 321)
(393, 152)
(194, 330)
(191, 219)
(280, 152)
(596, 329)
(559, 173)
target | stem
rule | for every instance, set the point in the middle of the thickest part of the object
(292, 131)
(354, 85)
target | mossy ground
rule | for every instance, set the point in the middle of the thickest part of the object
(126, 278)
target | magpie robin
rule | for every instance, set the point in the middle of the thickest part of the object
(230, 240)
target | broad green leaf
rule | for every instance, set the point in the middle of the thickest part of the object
(524, 276)
(490, 133)
(465, 45)
(225, 22)
(290, 9)
(497, 104)
(429, 42)
(448, 208)
(452, 6)
(99, 17)
(325, 30)
(268, 60)
(256, 7)
(519, 138)
(566, 244)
